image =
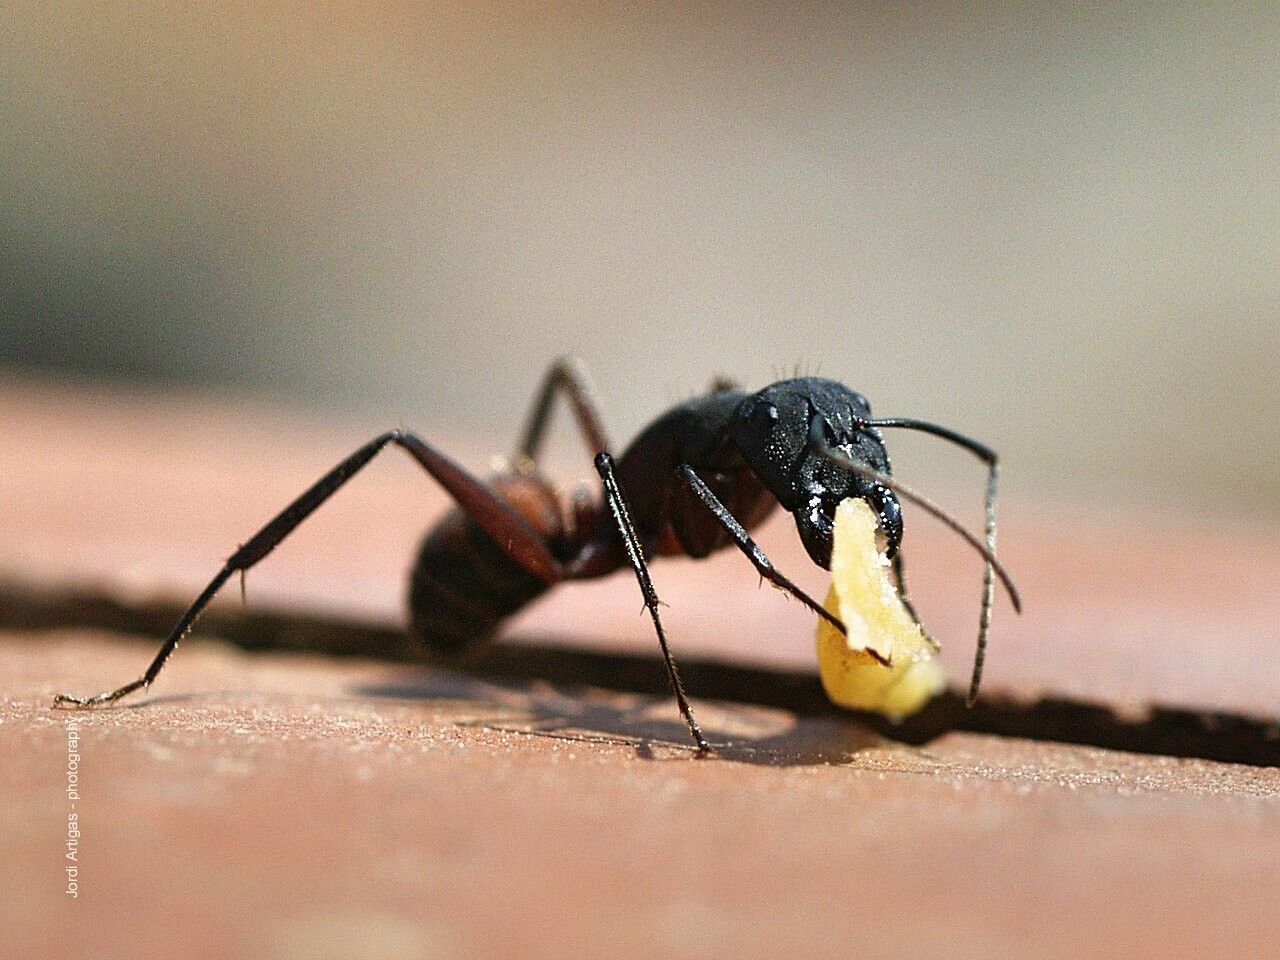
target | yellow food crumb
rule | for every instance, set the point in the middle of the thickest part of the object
(865, 599)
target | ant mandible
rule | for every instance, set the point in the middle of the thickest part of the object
(694, 481)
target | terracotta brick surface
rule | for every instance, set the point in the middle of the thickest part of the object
(141, 498)
(294, 805)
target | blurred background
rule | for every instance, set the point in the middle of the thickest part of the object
(1054, 227)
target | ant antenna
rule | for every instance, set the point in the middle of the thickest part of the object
(989, 457)
(993, 567)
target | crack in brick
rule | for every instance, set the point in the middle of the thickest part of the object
(1158, 730)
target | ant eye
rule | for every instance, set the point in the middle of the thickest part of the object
(766, 414)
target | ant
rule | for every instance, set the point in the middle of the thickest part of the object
(695, 480)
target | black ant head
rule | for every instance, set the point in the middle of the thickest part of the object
(782, 432)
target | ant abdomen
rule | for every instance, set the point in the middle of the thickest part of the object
(464, 584)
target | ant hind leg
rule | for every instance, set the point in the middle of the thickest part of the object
(498, 519)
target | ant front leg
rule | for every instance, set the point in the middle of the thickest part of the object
(498, 519)
(635, 553)
(900, 581)
(764, 566)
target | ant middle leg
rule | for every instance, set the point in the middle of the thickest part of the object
(493, 514)
(567, 375)
(635, 554)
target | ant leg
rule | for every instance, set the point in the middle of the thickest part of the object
(764, 566)
(491, 512)
(621, 517)
(900, 579)
(990, 458)
(568, 375)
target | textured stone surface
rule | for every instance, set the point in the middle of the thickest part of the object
(296, 806)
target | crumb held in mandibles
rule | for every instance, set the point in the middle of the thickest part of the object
(866, 600)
